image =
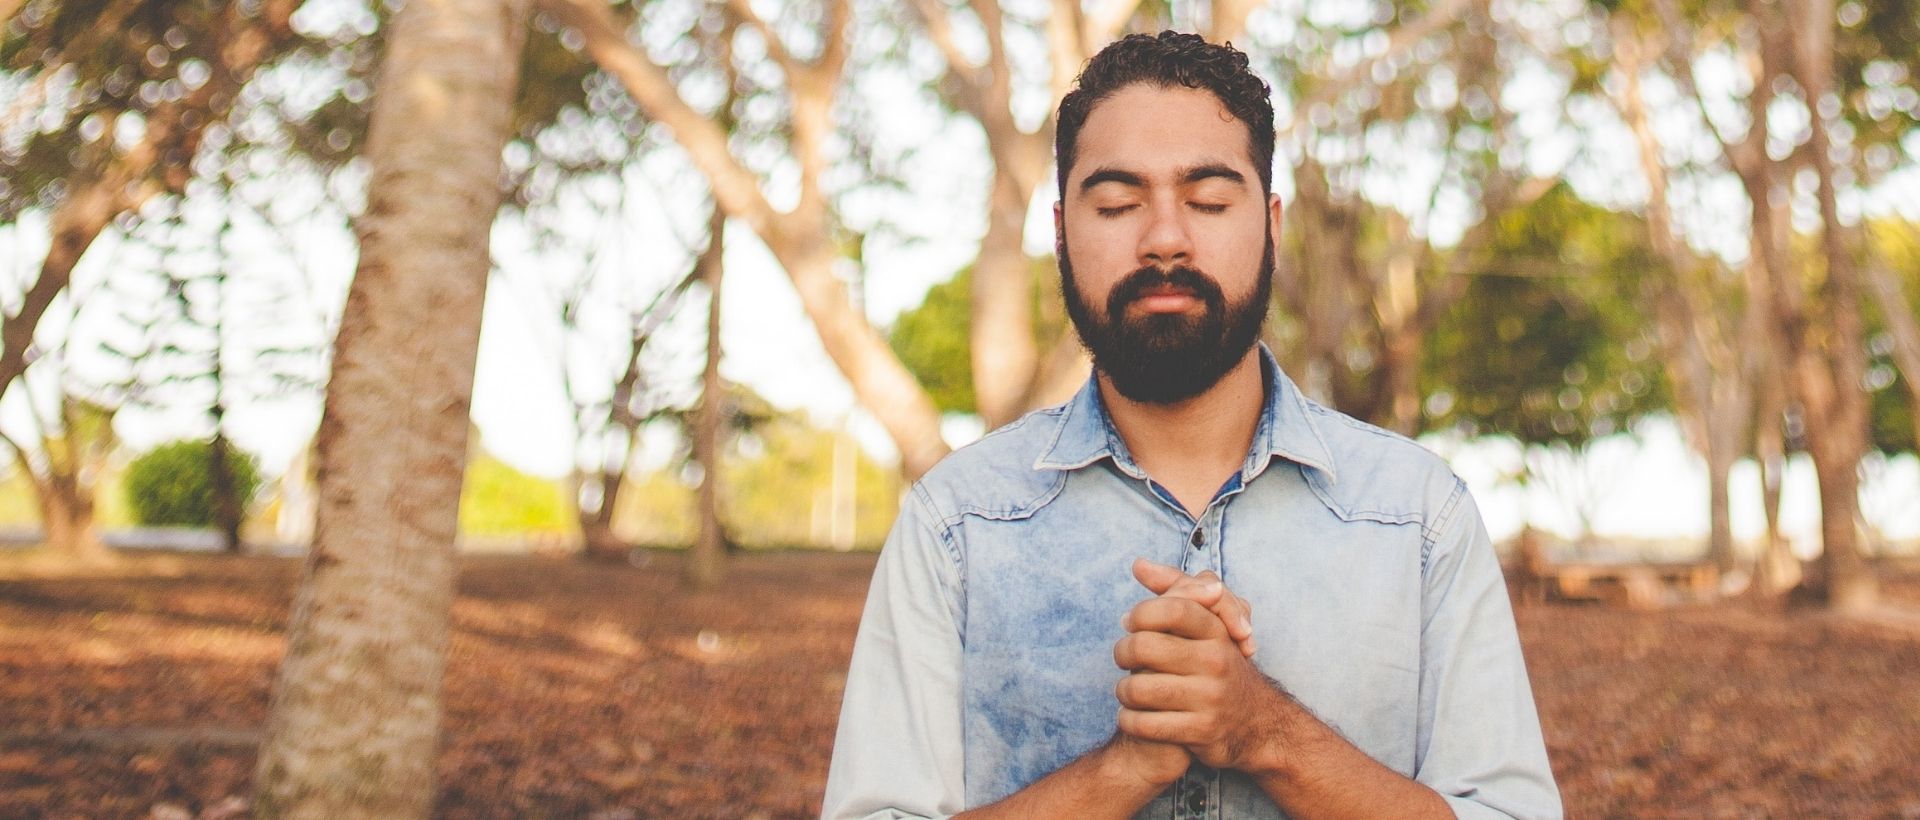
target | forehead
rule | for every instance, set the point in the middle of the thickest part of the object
(1150, 129)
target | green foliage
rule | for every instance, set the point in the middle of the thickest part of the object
(499, 500)
(935, 340)
(1897, 245)
(1547, 345)
(172, 485)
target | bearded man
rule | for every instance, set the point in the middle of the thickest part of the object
(1189, 591)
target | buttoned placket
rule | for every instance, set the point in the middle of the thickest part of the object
(1196, 795)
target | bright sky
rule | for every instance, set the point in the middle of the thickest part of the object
(1650, 488)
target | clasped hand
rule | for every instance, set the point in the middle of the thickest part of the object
(1193, 688)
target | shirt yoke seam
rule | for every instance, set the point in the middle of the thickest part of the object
(1430, 536)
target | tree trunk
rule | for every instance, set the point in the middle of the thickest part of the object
(1776, 570)
(355, 719)
(66, 511)
(799, 239)
(1833, 385)
(1005, 356)
(228, 509)
(1229, 19)
(1709, 375)
(598, 540)
(706, 566)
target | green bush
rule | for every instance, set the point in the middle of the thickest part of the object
(171, 486)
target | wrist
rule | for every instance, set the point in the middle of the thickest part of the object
(1131, 762)
(1278, 738)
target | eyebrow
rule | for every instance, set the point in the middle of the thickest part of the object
(1187, 177)
(1213, 171)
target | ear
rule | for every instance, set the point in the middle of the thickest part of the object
(1274, 214)
(1059, 222)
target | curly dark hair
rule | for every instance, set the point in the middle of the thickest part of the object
(1168, 59)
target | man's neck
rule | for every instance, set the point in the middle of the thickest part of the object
(1191, 447)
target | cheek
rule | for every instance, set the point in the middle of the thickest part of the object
(1100, 255)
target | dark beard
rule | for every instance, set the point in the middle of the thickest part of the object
(1165, 359)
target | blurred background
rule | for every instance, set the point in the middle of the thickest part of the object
(1646, 272)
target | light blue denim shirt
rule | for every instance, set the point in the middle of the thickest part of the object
(984, 659)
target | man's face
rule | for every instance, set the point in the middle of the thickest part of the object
(1165, 242)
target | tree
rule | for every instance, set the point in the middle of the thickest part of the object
(202, 337)
(174, 68)
(1547, 344)
(64, 469)
(1359, 281)
(707, 562)
(1714, 372)
(803, 239)
(354, 723)
(172, 485)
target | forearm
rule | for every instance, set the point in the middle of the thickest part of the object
(1100, 784)
(1310, 771)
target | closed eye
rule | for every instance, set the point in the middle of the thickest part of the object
(1207, 207)
(1114, 211)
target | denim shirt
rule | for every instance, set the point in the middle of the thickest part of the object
(984, 659)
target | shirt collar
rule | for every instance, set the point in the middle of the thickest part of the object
(1085, 434)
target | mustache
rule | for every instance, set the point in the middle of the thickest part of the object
(1137, 283)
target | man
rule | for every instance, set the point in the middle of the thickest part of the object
(1018, 659)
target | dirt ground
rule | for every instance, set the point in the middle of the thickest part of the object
(578, 690)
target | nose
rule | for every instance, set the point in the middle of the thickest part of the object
(1166, 242)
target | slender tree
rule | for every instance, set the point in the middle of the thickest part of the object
(707, 564)
(1712, 358)
(355, 719)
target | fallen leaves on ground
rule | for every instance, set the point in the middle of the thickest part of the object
(586, 690)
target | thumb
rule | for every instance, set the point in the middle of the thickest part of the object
(1158, 578)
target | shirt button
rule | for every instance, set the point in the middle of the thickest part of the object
(1198, 540)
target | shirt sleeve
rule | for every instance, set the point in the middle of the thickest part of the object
(1480, 744)
(898, 750)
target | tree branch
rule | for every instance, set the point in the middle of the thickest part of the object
(736, 188)
(1442, 14)
(742, 10)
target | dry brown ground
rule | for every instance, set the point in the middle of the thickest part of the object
(579, 691)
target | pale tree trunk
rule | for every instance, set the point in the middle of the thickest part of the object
(799, 239)
(1709, 374)
(1776, 570)
(1005, 356)
(355, 719)
(63, 485)
(1229, 19)
(706, 565)
(1396, 307)
(1772, 341)
(173, 132)
(598, 540)
(1009, 374)
(66, 511)
(1329, 235)
(1831, 380)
